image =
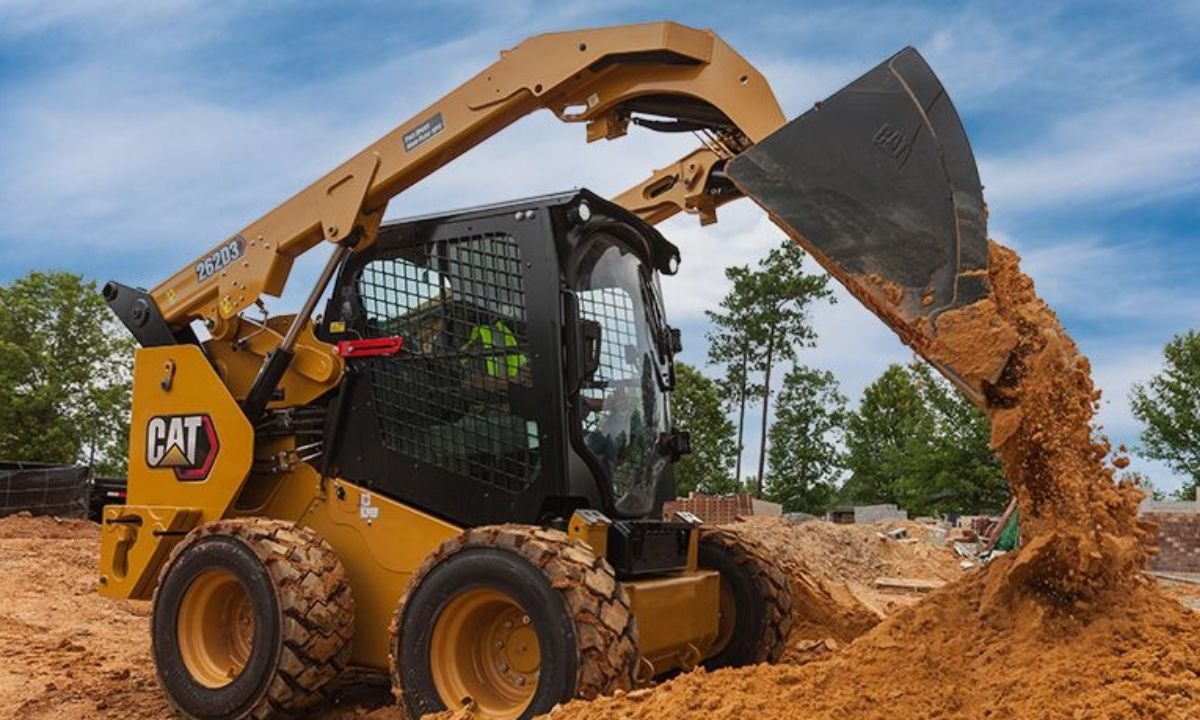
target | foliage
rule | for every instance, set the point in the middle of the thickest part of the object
(958, 472)
(805, 455)
(65, 369)
(917, 442)
(729, 344)
(696, 408)
(763, 320)
(1168, 406)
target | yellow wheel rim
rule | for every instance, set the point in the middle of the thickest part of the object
(727, 621)
(215, 628)
(485, 652)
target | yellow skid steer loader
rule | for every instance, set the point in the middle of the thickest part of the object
(455, 472)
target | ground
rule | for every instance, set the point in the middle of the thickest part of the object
(66, 652)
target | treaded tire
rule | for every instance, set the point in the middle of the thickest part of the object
(761, 593)
(303, 618)
(568, 588)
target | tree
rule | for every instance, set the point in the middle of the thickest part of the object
(1168, 406)
(917, 442)
(805, 456)
(731, 345)
(764, 320)
(890, 422)
(696, 408)
(957, 472)
(65, 368)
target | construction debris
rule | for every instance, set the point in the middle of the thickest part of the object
(908, 584)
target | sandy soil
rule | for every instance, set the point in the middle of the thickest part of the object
(67, 653)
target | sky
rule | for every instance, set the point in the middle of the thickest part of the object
(135, 135)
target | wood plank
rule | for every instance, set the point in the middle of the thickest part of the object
(910, 584)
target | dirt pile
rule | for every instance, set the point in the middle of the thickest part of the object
(24, 525)
(833, 569)
(1066, 628)
(953, 657)
(856, 555)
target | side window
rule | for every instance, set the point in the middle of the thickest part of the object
(613, 309)
(452, 397)
(396, 292)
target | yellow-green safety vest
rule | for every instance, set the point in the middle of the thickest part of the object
(499, 337)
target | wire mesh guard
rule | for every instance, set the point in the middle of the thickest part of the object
(446, 398)
(613, 309)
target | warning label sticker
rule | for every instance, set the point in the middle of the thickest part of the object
(426, 130)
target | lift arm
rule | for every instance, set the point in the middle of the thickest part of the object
(601, 77)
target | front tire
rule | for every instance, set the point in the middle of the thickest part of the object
(511, 620)
(251, 618)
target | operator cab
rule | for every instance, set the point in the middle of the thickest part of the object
(535, 370)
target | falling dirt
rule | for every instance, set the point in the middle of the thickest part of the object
(1065, 628)
(1081, 529)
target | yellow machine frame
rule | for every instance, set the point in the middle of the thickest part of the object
(587, 76)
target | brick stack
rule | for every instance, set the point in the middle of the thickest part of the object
(715, 509)
(1178, 541)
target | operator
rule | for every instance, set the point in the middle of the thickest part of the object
(503, 366)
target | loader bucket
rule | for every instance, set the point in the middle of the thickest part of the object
(878, 183)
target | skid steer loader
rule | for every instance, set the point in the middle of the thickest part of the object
(455, 472)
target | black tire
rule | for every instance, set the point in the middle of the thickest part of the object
(294, 588)
(760, 594)
(573, 602)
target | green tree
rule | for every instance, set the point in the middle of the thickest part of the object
(954, 469)
(891, 420)
(917, 442)
(805, 455)
(1168, 406)
(65, 368)
(696, 407)
(731, 345)
(763, 321)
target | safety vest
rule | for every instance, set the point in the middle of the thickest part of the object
(498, 335)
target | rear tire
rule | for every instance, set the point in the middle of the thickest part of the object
(251, 618)
(754, 591)
(512, 620)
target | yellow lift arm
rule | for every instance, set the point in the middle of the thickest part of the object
(594, 76)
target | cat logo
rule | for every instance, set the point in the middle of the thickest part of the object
(185, 443)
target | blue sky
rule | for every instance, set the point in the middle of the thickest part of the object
(134, 135)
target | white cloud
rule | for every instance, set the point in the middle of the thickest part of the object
(1128, 150)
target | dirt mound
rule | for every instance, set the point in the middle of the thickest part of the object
(833, 569)
(1135, 654)
(1066, 628)
(854, 556)
(24, 525)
